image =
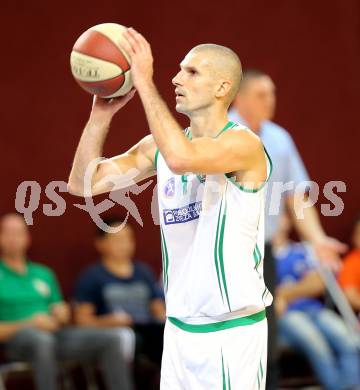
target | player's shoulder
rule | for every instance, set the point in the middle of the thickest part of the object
(244, 135)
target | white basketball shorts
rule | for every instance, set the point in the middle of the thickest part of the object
(229, 356)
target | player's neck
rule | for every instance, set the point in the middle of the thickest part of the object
(208, 124)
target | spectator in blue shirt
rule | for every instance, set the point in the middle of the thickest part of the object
(305, 323)
(254, 107)
(120, 293)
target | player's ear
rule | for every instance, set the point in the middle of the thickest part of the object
(223, 88)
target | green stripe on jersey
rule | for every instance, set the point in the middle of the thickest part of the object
(257, 257)
(156, 158)
(216, 258)
(221, 254)
(165, 258)
(226, 127)
(219, 250)
(217, 326)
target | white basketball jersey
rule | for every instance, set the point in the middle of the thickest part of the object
(212, 240)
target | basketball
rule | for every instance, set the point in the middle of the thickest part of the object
(98, 62)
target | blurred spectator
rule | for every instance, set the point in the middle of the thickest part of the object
(254, 106)
(118, 292)
(349, 276)
(304, 323)
(33, 315)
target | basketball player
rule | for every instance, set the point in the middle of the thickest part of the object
(211, 180)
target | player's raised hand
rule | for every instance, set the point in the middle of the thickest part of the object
(110, 106)
(140, 53)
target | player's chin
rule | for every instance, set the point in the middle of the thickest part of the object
(180, 108)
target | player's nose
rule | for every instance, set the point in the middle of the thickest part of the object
(176, 80)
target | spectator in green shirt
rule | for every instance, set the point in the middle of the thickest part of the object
(33, 316)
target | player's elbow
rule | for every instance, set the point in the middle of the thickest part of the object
(178, 165)
(74, 189)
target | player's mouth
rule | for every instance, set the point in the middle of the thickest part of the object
(178, 94)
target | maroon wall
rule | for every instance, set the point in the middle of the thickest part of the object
(311, 49)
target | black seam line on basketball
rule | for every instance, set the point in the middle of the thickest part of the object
(102, 59)
(104, 35)
(100, 81)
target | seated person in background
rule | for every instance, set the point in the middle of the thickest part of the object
(349, 276)
(304, 323)
(33, 315)
(119, 292)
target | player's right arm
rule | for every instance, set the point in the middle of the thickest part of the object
(139, 158)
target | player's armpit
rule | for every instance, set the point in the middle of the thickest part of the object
(131, 167)
(232, 151)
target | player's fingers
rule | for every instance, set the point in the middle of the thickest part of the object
(133, 40)
(130, 95)
(138, 38)
(99, 101)
(133, 47)
(125, 45)
(122, 100)
(146, 45)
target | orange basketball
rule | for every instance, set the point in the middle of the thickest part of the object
(98, 62)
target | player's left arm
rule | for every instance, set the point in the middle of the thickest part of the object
(230, 152)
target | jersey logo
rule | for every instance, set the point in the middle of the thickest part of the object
(169, 188)
(182, 214)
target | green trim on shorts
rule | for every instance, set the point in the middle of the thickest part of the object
(226, 385)
(217, 326)
(260, 375)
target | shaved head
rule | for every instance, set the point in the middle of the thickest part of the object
(225, 64)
